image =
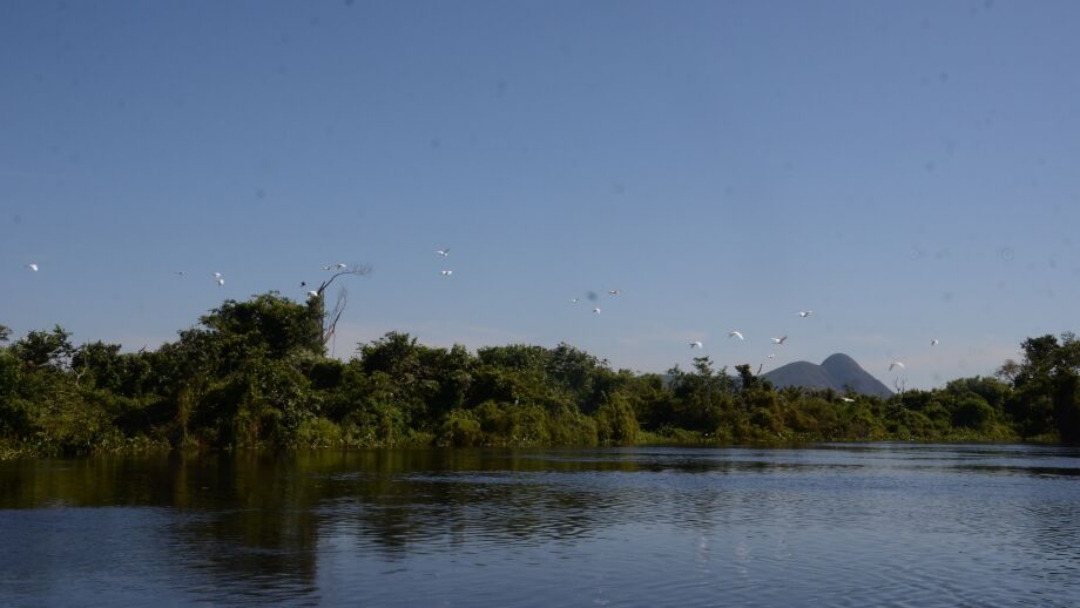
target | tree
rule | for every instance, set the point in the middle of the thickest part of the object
(1040, 402)
(1067, 407)
(323, 322)
(41, 349)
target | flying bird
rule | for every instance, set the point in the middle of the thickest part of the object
(446, 273)
(934, 342)
(696, 344)
(313, 294)
(443, 252)
(847, 400)
(596, 310)
(895, 364)
(770, 356)
(805, 313)
(574, 301)
(180, 273)
(221, 282)
(614, 292)
(735, 334)
(33, 267)
(219, 279)
(779, 340)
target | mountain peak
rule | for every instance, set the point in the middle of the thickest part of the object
(838, 372)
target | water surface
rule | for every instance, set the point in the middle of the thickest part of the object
(842, 525)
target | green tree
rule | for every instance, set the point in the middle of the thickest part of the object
(41, 349)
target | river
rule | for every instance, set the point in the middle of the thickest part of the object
(828, 525)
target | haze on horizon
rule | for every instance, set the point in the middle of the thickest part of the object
(905, 170)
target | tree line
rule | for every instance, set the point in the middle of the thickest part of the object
(256, 374)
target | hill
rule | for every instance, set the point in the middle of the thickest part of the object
(838, 372)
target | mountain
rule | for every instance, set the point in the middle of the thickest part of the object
(839, 372)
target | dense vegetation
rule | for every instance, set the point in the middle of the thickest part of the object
(255, 373)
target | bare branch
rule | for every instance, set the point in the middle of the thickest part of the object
(357, 270)
(899, 384)
(332, 317)
(324, 322)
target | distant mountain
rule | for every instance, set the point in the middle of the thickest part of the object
(839, 372)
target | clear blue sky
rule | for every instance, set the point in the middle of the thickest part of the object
(906, 170)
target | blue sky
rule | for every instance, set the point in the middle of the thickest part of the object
(906, 170)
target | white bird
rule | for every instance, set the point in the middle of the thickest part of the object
(779, 340)
(735, 334)
(770, 356)
(934, 342)
(895, 364)
(847, 400)
(696, 344)
(313, 294)
(221, 282)
(805, 313)
(33, 267)
(596, 310)
(443, 252)
(614, 292)
(217, 275)
(180, 273)
(341, 265)
(446, 273)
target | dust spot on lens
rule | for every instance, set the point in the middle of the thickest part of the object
(591, 295)
(260, 193)
(435, 143)
(16, 219)
(1006, 253)
(930, 166)
(947, 297)
(618, 188)
(916, 253)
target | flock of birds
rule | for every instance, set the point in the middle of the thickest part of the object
(803, 314)
(593, 297)
(219, 279)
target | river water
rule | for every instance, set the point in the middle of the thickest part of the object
(835, 525)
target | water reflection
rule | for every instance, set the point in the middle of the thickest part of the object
(883, 524)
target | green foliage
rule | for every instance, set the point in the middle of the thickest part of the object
(973, 412)
(45, 350)
(254, 374)
(616, 422)
(461, 428)
(1067, 407)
